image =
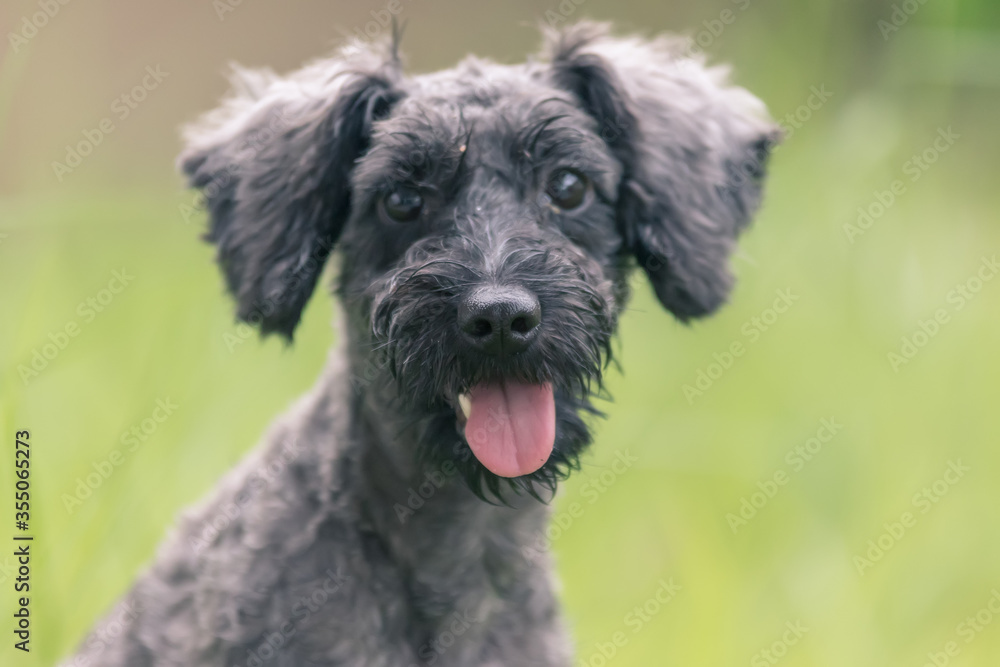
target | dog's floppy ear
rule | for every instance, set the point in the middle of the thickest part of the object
(693, 148)
(273, 163)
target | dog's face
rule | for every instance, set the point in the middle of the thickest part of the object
(488, 218)
(483, 252)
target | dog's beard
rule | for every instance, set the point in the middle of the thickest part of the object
(514, 423)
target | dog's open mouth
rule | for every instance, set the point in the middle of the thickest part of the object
(510, 426)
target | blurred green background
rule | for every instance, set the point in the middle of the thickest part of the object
(865, 88)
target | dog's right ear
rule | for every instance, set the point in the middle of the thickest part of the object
(273, 163)
(693, 147)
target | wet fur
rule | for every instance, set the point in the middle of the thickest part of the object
(292, 168)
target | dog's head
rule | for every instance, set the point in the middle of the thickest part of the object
(488, 218)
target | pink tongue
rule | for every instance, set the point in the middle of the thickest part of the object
(511, 427)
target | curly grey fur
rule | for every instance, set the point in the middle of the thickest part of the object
(362, 531)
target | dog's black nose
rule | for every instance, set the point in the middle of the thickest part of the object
(500, 320)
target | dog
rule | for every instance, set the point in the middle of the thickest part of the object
(487, 220)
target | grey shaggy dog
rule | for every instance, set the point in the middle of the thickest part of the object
(487, 218)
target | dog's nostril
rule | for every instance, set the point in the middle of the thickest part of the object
(481, 328)
(500, 320)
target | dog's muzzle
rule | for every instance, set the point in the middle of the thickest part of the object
(510, 426)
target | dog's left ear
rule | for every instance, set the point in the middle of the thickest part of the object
(693, 150)
(274, 163)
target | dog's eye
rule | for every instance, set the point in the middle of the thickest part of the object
(402, 204)
(567, 188)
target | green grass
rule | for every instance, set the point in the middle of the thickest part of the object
(665, 516)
